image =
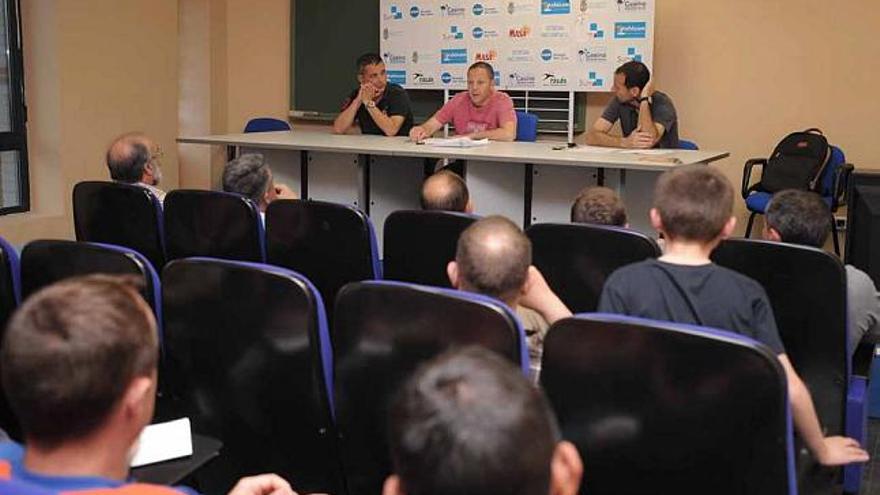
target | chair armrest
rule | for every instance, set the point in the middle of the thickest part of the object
(838, 190)
(747, 175)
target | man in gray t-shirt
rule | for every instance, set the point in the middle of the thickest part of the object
(647, 117)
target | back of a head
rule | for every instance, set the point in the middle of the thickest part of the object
(70, 352)
(469, 422)
(800, 217)
(445, 191)
(493, 257)
(598, 205)
(247, 175)
(695, 202)
(636, 74)
(127, 157)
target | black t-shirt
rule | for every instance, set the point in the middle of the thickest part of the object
(662, 112)
(719, 298)
(394, 101)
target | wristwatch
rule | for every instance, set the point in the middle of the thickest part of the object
(648, 99)
(370, 104)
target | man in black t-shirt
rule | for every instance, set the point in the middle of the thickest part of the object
(378, 107)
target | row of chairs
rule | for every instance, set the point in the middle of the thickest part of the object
(248, 357)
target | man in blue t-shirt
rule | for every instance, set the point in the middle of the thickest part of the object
(79, 369)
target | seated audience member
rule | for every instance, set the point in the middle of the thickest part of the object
(647, 116)
(446, 191)
(599, 205)
(801, 217)
(469, 422)
(377, 106)
(79, 369)
(480, 112)
(250, 176)
(493, 257)
(133, 158)
(693, 208)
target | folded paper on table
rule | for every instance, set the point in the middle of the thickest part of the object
(457, 142)
(163, 441)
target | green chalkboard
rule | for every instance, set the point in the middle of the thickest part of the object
(328, 37)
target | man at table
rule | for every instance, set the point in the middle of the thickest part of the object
(647, 116)
(378, 107)
(480, 112)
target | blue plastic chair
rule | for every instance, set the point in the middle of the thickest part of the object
(834, 186)
(266, 124)
(684, 144)
(658, 407)
(526, 126)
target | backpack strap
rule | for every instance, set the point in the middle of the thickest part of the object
(683, 293)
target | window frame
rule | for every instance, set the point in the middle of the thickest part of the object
(16, 139)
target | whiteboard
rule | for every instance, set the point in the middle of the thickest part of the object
(539, 45)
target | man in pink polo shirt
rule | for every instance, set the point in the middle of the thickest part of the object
(481, 112)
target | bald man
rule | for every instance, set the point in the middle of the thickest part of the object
(133, 158)
(494, 257)
(446, 191)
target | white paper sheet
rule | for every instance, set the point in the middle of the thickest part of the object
(654, 152)
(457, 142)
(163, 441)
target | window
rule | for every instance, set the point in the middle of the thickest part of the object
(14, 192)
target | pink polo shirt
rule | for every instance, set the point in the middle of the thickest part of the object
(467, 118)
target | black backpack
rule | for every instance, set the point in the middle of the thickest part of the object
(798, 162)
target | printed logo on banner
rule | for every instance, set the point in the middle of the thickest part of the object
(555, 31)
(520, 8)
(486, 56)
(397, 77)
(480, 33)
(632, 5)
(424, 57)
(454, 56)
(593, 54)
(421, 79)
(520, 55)
(593, 80)
(519, 32)
(551, 80)
(631, 53)
(394, 13)
(522, 79)
(388, 34)
(479, 9)
(553, 7)
(449, 10)
(630, 30)
(454, 34)
(497, 78)
(415, 11)
(448, 78)
(596, 32)
(393, 58)
(548, 55)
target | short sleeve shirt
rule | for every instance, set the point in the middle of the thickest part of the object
(706, 295)
(662, 112)
(468, 118)
(394, 101)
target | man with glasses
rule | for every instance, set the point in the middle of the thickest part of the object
(378, 107)
(133, 158)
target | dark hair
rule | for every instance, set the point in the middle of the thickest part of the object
(800, 217)
(493, 257)
(368, 59)
(485, 66)
(694, 201)
(446, 191)
(636, 74)
(70, 352)
(598, 205)
(470, 422)
(247, 175)
(127, 157)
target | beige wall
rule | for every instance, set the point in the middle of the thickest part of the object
(93, 69)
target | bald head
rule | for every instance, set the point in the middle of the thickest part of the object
(130, 159)
(445, 191)
(493, 258)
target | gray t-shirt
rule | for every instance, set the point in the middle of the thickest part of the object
(662, 111)
(863, 304)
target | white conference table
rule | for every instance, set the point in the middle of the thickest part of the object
(527, 182)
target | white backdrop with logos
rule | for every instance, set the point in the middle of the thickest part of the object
(534, 45)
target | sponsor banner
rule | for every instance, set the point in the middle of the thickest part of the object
(483, 33)
(452, 79)
(519, 32)
(454, 56)
(593, 54)
(422, 79)
(548, 55)
(553, 79)
(490, 55)
(392, 13)
(397, 77)
(521, 8)
(555, 7)
(484, 9)
(628, 53)
(421, 12)
(628, 6)
(555, 31)
(453, 9)
(522, 80)
(394, 58)
(592, 80)
(520, 56)
(630, 30)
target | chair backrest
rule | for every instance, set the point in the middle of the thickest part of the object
(331, 244)
(247, 354)
(662, 408)
(10, 282)
(684, 144)
(382, 332)
(419, 245)
(266, 124)
(121, 214)
(807, 290)
(577, 258)
(212, 223)
(526, 126)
